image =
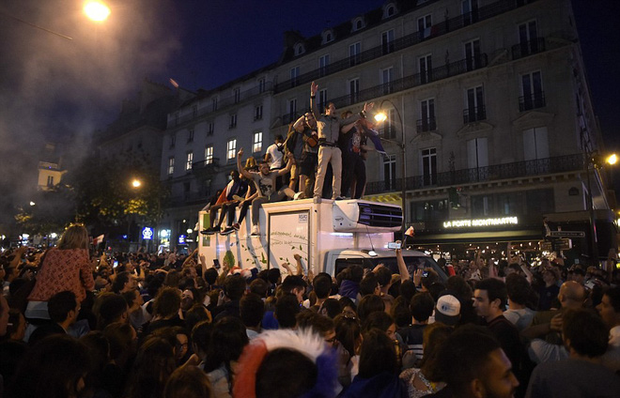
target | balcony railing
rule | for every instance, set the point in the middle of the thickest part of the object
(441, 28)
(537, 167)
(222, 103)
(475, 114)
(533, 101)
(407, 82)
(529, 47)
(425, 125)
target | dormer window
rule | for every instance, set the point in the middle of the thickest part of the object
(389, 10)
(328, 36)
(299, 49)
(358, 23)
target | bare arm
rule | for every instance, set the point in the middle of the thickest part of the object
(299, 124)
(240, 169)
(346, 128)
(402, 267)
(315, 108)
(289, 164)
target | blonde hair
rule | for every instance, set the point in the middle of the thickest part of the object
(75, 237)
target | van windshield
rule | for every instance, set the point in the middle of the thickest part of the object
(413, 263)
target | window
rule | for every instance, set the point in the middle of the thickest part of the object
(173, 139)
(237, 95)
(171, 165)
(358, 23)
(189, 161)
(295, 76)
(532, 90)
(469, 9)
(477, 153)
(233, 121)
(355, 51)
(209, 155)
(482, 205)
(386, 80)
(261, 85)
(214, 103)
(390, 10)
(388, 129)
(535, 144)
(231, 149)
(50, 181)
(292, 108)
(430, 210)
(299, 49)
(210, 128)
(389, 172)
(190, 135)
(426, 68)
(322, 100)
(323, 64)
(472, 55)
(424, 26)
(387, 41)
(528, 38)
(475, 110)
(257, 141)
(427, 111)
(258, 112)
(354, 90)
(429, 166)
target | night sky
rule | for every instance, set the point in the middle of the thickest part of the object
(53, 87)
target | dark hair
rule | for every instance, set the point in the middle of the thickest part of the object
(464, 355)
(234, 286)
(188, 382)
(407, 290)
(496, 290)
(348, 331)
(384, 276)
(355, 273)
(210, 276)
(322, 285)
(347, 302)
(52, 368)
(285, 373)
(153, 366)
(293, 281)
(378, 355)
(369, 304)
(517, 288)
(130, 296)
(251, 309)
(260, 287)
(60, 304)
(227, 341)
(400, 312)
(331, 307)
(377, 320)
(111, 307)
(319, 324)
(119, 335)
(197, 313)
(119, 282)
(368, 284)
(273, 275)
(167, 302)
(201, 335)
(585, 332)
(434, 336)
(422, 306)
(287, 308)
(614, 297)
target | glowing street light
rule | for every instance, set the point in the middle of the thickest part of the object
(96, 10)
(612, 159)
(32, 203)
(136, 183)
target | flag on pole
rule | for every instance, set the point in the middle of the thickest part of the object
(98, 239)
(410, 231)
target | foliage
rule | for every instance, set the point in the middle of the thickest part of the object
(51, 211)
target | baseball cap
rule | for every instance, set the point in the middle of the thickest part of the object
(448, 309)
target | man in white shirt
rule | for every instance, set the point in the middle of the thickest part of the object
(275, 153)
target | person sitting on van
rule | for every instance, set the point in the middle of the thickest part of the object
(227, 203)
(265, 181)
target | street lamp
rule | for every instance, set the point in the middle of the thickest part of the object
(96, 10)
(136, 183)
(381, 116)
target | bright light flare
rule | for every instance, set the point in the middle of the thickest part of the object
(96, 10)
(381, 117)
(612, 159)
(136, 183)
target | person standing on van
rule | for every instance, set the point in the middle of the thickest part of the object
(329, 125)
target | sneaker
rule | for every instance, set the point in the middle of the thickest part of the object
(316, 200)
(288, 192)
(339, 198)
(227, 231)
(255, 231)
(299, 196)
(236, 226)
(209, 231)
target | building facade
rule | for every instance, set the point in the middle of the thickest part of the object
(490, 124)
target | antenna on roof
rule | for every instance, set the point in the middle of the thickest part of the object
(371, 253)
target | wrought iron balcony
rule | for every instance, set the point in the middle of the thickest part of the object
(533, 101)
(529, 47)
(441, 28)
(425, 125)
(505, 171)
(475, 114)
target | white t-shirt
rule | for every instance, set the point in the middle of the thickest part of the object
(275, 161)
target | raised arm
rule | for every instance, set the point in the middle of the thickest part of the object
(402, 267)
(299, 124)
(240, 168)
(289, 164)
(315, 108)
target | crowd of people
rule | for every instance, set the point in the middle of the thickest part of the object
(79, 324)
(319, 147)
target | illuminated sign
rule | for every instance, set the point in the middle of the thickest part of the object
(182, 239)
(147, 233)
(481, 222)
